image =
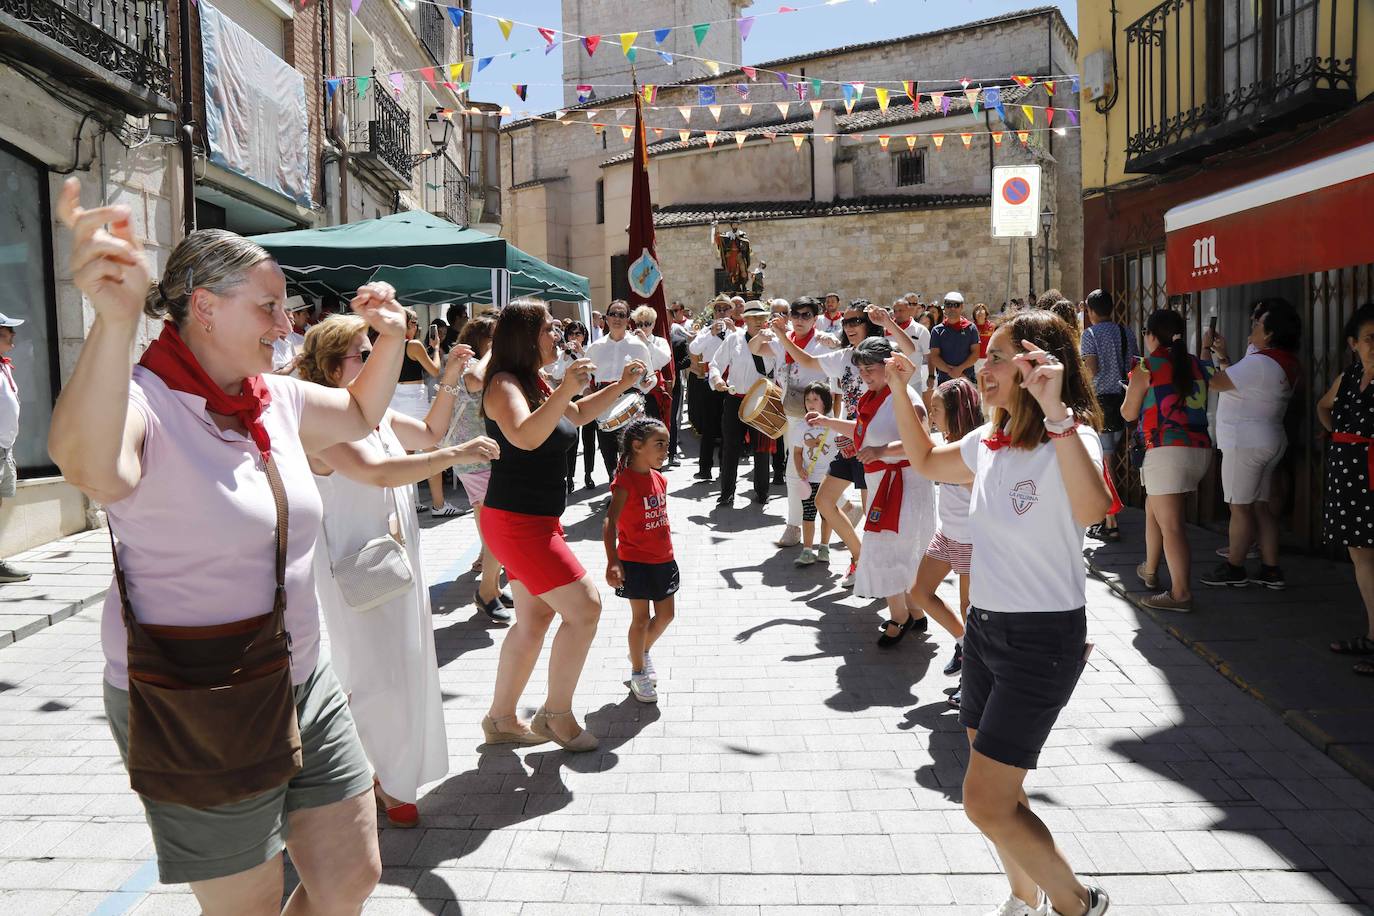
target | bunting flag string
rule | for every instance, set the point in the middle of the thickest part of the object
(458, 16)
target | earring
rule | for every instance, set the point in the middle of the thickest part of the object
(208, 328)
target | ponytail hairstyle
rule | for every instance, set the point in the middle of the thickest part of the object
(963, 407)
(1024, 421)
(515, 348)
(636, 433)
(1168, 327)
(209, 259)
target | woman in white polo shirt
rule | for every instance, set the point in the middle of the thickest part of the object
(1036, 471)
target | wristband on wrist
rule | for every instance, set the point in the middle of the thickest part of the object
(1058, 428)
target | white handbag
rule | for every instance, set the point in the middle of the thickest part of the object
(377, 573)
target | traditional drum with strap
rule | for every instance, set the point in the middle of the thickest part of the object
(212, 715)
(626, 408)
(762, 409)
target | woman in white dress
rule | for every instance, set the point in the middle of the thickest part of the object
(384, 656)
(900, 520)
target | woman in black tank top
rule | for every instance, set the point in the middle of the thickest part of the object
(535, 426)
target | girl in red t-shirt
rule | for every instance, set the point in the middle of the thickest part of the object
(639, 547)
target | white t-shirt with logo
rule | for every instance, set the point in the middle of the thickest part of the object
(1027, 548)
(818, 446)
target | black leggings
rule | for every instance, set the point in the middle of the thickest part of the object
(809, 504)
(588, 450)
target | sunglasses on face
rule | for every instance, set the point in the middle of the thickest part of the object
(851, 322)
(644, 325)
(617, 315)
(361, 356)
(803, 313)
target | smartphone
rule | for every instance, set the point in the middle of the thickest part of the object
(1212, 324)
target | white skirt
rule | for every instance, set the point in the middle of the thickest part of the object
(889, 559)
(411, 400)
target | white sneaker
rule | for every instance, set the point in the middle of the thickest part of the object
(791, 537)
(1098, 902)
(643, 688)
(1015, 906)
(649, 669)
(848, 580)
(805, 558)
(823, 553)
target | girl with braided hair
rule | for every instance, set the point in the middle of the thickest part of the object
(639, 547)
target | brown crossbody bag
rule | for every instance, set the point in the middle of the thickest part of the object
(212, 715)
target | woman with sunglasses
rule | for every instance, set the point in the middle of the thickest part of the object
(1036, 475)
(861, 321)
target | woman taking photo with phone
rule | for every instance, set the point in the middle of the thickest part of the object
(534, 426)
(1036, 476)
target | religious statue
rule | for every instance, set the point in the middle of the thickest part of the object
(733, 247)
(757, 284)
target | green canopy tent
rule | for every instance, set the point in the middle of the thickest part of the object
(429, 260)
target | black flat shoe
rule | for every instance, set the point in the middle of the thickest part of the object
(921, 624)
(886, 641)
(588, 483)
(506, 598)
(570, 484)
(702, 475)
(492, 609)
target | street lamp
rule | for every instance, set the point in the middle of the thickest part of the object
(1046, 219)
(440, 130)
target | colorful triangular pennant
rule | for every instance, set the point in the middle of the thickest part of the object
(711, 136)
(660, 35)
(520, 90)
(455, 15)
(627, 40)
(938, 140)
(700, 30)
(881, 93)
(506, 25)
(589, 44)
(816, 106)
(427, 73)
(745, 26)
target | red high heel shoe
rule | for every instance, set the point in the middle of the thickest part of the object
(403, 815)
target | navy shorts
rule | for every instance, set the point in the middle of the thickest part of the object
(648, 581)
(850, 469)
(1019, 671)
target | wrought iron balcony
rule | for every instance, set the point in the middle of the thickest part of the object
(1205, 75)
(115, 50)
(379, 136)
(431, 25)
(446, 190)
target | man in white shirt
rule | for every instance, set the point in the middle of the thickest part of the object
(706, 405)
(831, 317)
(906, 312)
(679, 335)
(9, 430)
(734, 371)
(286, 350)
(610, 354)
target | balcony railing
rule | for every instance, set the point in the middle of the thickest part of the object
(379, 136)
(114, 49)
(446, 190)
(1205, 74)
(431, 25)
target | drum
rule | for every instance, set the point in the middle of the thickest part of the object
(627, 407)
(762, 409)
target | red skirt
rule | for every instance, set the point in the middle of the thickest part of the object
(531, 548)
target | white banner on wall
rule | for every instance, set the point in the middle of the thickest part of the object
(254, 108)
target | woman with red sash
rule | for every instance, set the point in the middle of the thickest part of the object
(901, 506)
(1347, 412)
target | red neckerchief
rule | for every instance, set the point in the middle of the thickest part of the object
(907, 325)
(958, 325)
(1287, 362)
(999, 439)
(888, 493)
(5, 367)
(171, 360)
(801, 344)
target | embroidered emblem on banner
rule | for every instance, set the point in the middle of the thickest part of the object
(645, 275)
(1023, 497)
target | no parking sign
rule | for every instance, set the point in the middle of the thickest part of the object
(1015, 201)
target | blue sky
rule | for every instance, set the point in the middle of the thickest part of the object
(772, 37)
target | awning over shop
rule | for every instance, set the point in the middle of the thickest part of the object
(1318, 216)
(429, 260)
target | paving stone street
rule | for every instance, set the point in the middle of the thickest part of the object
(789, 767)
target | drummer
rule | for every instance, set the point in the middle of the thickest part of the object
(610, 354)
(734, 370)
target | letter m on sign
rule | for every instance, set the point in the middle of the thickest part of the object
(1205, 252)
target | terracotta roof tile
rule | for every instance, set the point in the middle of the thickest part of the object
(704, 214)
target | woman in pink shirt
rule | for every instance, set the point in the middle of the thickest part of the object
(204, 414)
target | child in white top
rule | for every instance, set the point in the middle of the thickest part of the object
(956, 410)
(816, 448)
